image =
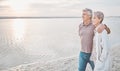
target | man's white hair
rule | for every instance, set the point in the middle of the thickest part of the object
(89, 11)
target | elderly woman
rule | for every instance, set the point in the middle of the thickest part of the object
(101, 47)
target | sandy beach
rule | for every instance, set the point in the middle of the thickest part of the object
(65, 64)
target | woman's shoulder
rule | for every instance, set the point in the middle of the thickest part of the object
(104, 32)
(100, 28)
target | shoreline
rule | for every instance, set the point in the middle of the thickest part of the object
(65, 64)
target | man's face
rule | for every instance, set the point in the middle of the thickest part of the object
(85, 16)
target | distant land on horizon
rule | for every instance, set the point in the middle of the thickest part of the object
(38, 17)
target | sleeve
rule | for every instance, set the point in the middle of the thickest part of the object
(104, 45)
(79, 29)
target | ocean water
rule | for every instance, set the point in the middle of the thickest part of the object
(25, 41)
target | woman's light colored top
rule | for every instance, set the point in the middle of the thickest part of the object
(101, 51)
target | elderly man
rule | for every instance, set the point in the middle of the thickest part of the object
(86, 33)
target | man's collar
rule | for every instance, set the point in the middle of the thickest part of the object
(87, 24)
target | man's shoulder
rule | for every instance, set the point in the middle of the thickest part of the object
(81, 24)
(92, 25)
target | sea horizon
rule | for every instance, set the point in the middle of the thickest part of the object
(38, 17)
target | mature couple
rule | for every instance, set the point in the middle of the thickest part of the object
(94, 42)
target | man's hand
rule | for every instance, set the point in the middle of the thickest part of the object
(102, 27)
(107, 29)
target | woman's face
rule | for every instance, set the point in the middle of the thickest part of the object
(96, 20)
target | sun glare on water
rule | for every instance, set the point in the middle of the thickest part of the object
(18, 29)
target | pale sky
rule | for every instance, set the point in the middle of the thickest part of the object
(57, 7)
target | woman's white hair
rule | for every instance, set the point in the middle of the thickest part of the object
(89, 11)
(99, 15)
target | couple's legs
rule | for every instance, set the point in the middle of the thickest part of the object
(83, 60)
(92, 64)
